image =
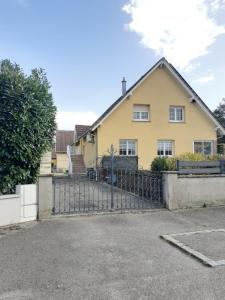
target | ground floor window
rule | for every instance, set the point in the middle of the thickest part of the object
(165, 148)
(127, 147)
(204, 147)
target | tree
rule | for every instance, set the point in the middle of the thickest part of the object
(27, 124)
(219, 113)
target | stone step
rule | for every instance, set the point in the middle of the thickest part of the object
(78, 164)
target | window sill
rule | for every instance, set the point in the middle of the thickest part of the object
(177, 122)
(140, 120)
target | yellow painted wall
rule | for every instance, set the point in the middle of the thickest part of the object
(62, 162)
(89, 152)
(159, 90)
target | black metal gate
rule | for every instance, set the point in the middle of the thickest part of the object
(104, 190)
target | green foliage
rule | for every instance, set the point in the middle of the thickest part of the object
(27, 124)
(166, 163)
(163, 163)
(219, 112)
(191, 156)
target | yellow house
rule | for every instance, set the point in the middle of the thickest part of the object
(159, 115)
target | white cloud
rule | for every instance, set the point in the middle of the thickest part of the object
(205, 79)
(179, 30)
(67, 120)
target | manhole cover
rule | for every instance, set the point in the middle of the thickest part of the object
(207, 245)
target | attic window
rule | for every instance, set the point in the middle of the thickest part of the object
(176, 114)
(141, 112)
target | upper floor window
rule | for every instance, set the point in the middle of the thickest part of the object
(127, 147)
(165, 148)
(203, 147)
(141, 112)
(176, 114)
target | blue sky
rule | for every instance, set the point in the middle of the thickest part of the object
(87, 46)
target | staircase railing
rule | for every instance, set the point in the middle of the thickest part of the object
(70, 167)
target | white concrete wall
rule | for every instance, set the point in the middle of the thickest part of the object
(28, 202)
(193, 191)
(19, 207)
(45, 166)
(45, 196)
(9, 209)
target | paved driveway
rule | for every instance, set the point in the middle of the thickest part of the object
(109, 257)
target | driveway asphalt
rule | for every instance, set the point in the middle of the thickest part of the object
(117, 256)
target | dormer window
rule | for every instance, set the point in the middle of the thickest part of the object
(141, 113)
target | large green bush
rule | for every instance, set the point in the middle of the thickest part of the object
(27, 124)
(163, 163)
(166, 163)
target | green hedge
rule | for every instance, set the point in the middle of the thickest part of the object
(166, 163)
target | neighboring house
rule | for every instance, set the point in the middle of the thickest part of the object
(160, 115)
(78, 153)
(63, 139)
(79, 131)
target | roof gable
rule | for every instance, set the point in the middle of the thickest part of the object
(193, 95)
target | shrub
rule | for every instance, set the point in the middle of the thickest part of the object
(191, 156)
(163, 164)
(27, 124)
(166, 163)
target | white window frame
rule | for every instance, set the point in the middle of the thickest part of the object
(127, 147)
(140, 112)
(164, 147)
(203, 141)
(175, 107)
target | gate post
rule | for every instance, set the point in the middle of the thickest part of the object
(45, 195)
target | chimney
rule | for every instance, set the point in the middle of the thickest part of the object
(124, 86)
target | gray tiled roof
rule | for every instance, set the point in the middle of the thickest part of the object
(81, 130)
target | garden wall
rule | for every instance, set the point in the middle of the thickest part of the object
(188, 191)
(19, 207)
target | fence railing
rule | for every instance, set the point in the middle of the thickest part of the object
(145, 184)
(201, 167)
(106, 190)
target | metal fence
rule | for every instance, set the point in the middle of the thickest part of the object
(107, 189)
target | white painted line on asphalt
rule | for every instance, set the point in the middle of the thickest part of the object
(204, 259)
